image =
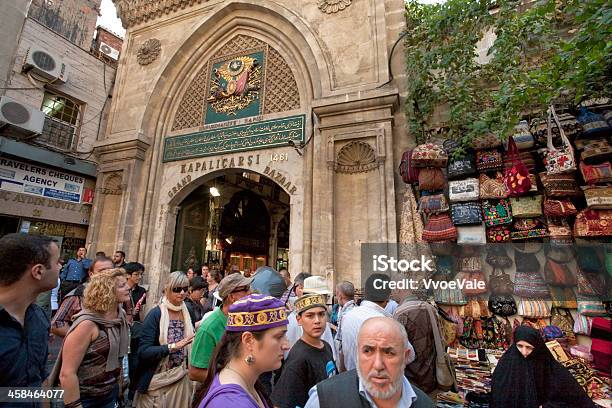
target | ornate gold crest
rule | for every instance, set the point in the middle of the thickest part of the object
(309, 301)
(235, 85)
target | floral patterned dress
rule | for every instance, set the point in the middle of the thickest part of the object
(176, 333)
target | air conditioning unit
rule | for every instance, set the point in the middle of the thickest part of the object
(20, 118)
(108, 50)
(46, 65)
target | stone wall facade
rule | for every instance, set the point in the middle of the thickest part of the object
(326, 61)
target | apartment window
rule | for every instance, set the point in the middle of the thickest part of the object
(60, 129)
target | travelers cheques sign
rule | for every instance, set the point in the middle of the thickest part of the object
(20, 177)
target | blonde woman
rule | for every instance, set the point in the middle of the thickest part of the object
(165, 344)
(89, 363)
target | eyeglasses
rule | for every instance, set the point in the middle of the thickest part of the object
(181, 289)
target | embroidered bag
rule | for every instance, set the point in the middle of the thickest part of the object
(516, 178)
(466, 213)
(598, 197)
(595, 150)
(497, 257)
(593, 223)
(501, 283)
(552, 332)
(429, 155)
(498, 234)
(526, 157)
(591, 308)
(471, 234)
(433, 204)
(409, 173)
(461, 167)
(496, 212)
(502, 305)
(596, 173)
(528, 228)
(559, 208)
(439, 228)
(559, 231)
(492, 188)
(560, 185)
(582, 325)
(488, 141)
(558, 160)
(470, 264)
(526, 207)
(522, 136)
(530, 285)
(563, 297)
(558, 274)
(562, 318)
(463, 190)
(475, 308)
(533, 308)
(447, 295)
(488, 160)
(432, 179)
(593, 123)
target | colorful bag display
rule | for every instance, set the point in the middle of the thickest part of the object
(431, 179)
(582, 325)
(489, 160)
(471, 234)
(591, 308)
(433, 204)
(466, 213)
(496, 212)
(488, 141)
(503, 305)
(463, 190)
(564, 298)
(498, 234)
(526, 207)
(528, 228)
(558, 274)
(516, 178)
(439, 228)
(560, 185)
(559, 208)
(598, 197)
(539, 128)
(500, 283)
(475, 308)
(533, 308)
(429, 155)
(492, 188)
(558, 160)
(593, 223)
(461, 167)
(409, 173)
(596, 173)
(530, 285)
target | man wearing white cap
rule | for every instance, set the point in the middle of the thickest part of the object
(318, 286)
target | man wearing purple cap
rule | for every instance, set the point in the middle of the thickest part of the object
(310, 360)
(230, 289)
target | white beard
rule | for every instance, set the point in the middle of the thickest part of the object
(375, 392)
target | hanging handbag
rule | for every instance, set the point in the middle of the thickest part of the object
(431, 179)
(522, 137)
(560, 185)
(593, 223)
(497, 257)
(582, 325)
(563, 297)
(533, 308)
(433, 204)
(500, 283)
(526, 207)
(429, 155)
(528, 228)
(409, 173)
(558, 274)
(492, 188)
(446, 295)
(591, 308)
(559, 208)
(598, 197)
(588, 286)
(463, 190)
(558, 160)
(498, 234)
(596, 173)
(461, 167)
(526, 262)
(488, 141)
(496, 212)
(562, 318)
(471, 234)
(516, 178)
(489, 160)
(502, 305)
(559, 231)
(470, 264)
(530, 285)
(588, 258)
(439, 228)
(475, 308)
(466, 213)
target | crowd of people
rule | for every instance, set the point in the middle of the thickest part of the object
(210, 342)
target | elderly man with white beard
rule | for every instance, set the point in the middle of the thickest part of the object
(378, 382)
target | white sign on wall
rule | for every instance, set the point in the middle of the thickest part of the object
(26, 178)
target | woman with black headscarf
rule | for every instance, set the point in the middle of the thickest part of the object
(527, 376)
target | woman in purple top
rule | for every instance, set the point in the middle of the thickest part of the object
(254, 343)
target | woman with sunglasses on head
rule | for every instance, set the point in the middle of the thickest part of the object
(528, 376)
(164, 350)
(254, 343)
